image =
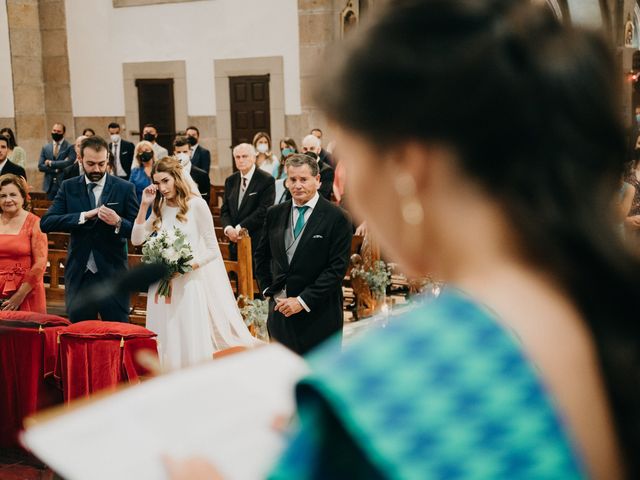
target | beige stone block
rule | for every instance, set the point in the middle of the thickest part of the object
(293, 127)
(55, 69)
(57, 97)
(54, 43)
(27, 71)
(52, 15)
(8, 122)
(23, 15)
(28, 99)
(315, 5)
(30, 127)
(316, 28)
(312, 59)
(25, 42)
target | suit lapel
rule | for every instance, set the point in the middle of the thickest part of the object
(233, 195)
(83, 193)
(106, 191)
(278, 230)
(314, 221)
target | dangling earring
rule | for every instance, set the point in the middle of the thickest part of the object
(411, 209)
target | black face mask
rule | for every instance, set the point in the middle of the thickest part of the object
(57, 137)
(145, 156)
(149, 137)
(192, 140)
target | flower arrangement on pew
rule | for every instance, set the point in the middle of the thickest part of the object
(255, 313)
(377, 278)
(172, 249)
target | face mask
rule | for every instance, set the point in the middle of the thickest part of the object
(184, 158)
(638, 118)
(115, 138)
(146, 156)
(192, 140)
(56, 137)
(149, 137)
(262, 147)
(287, 151)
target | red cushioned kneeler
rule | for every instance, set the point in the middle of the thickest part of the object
(28, 349)
(96, 355)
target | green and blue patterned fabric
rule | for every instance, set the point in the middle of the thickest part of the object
(441, 393)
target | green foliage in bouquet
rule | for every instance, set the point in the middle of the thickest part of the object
(172, 249)
(378, 278)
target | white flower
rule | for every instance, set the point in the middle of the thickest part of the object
(171, 255)
(171, 236)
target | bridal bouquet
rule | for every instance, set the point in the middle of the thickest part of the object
(172, 249)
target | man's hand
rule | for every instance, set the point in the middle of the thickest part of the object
(232, 234)
(48, 162)
(91, 213)
(633, 221)
(108, 216)
(288, 306)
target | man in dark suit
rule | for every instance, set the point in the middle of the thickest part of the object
(200, 156)
(6, 165)
(54, 158)
(248, 194)
(302, 259)
(324, 156)
(98, 210)
(122, 152)
(311, 145)
(75, 169)
(182, 152)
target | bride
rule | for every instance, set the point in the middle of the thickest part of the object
(202, 315)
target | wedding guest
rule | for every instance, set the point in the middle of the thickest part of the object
(6, 165)
(200, 156)
(122, 151)
(88, 132)
(247, 195)
(311, 145)
(288, 147)
(301, 261)
(75, 169)
(143, 161)
(23, 249)
(16, 154)
(150, 134)
(325, 155)
(54, 158)
(98, 210)
(201, 178)
(522, 367)
(265, 159)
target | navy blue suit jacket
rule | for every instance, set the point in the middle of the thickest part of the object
(109, 248)
(53, 175)
(202, 159)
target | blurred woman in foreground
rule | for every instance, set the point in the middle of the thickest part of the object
(489, 157)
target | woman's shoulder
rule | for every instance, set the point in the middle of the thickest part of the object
(447, 365)
(197, 203)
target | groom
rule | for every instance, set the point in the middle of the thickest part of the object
(98, 210)
(301, 261)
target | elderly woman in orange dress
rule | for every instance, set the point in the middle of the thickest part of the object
(23, 249)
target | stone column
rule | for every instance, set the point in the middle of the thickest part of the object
(28, 84)
(40, 66)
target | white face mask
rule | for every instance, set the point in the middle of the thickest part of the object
(262, 147)
(115, 138)
(184, 158)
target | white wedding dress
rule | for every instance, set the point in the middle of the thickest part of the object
(202, 316)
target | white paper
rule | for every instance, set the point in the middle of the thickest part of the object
(223, 410)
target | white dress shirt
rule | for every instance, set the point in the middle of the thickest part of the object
(294, 218)
(241, 194)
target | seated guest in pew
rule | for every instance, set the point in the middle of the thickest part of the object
(182, 152)
(247, 195)
(6, 165)
(23, 249)
(75, 169)
(522, 368)
(98, 210)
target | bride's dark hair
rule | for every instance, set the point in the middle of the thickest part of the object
(531, 107)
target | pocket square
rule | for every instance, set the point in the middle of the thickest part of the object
(253, 193)
(318, 236)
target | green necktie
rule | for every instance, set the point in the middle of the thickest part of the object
(300, 222)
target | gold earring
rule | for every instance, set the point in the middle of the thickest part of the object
(411, 209)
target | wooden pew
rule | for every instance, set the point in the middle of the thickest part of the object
(54, 282)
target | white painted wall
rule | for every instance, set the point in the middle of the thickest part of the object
(101, 38)
(585, 12)
(6, 81)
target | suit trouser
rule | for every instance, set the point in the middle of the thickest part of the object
(113, 308)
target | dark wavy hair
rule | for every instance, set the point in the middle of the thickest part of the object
(531, 108)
